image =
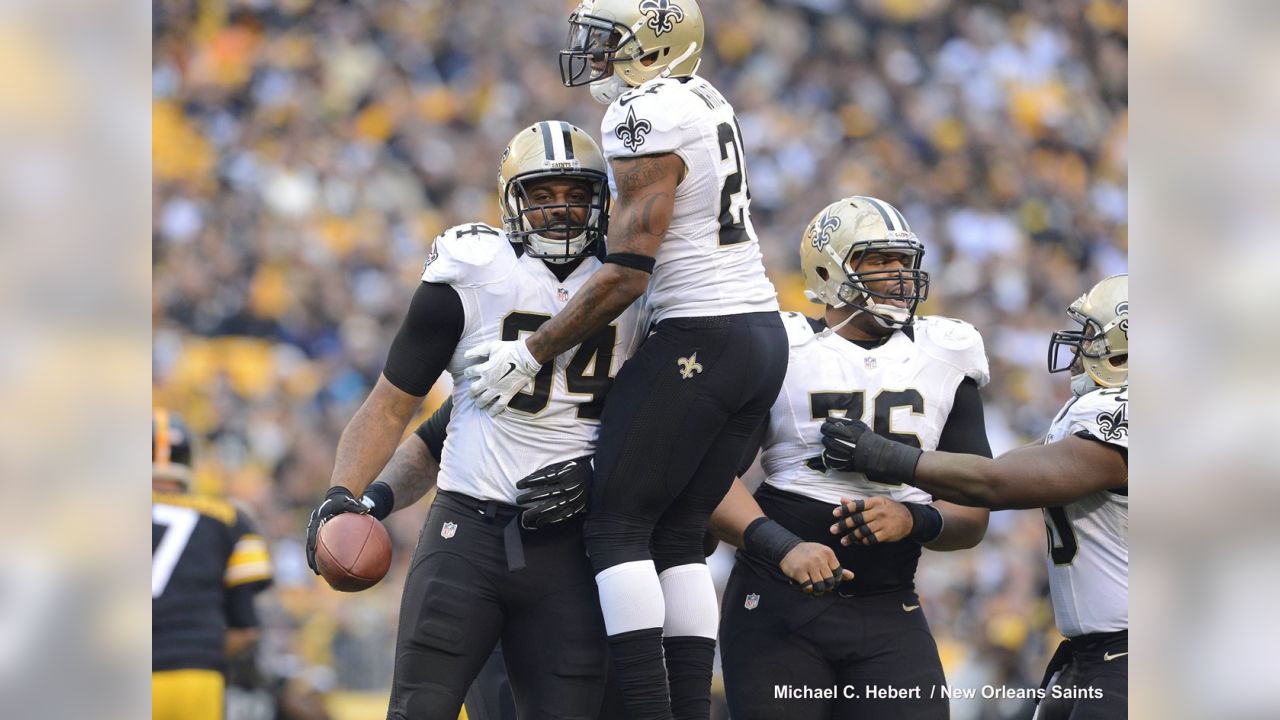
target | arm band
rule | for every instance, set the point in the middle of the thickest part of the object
(634, 261)
(380, 499)
(768, 540)
(926, 522)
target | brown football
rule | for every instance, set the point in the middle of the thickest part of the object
(353, 552)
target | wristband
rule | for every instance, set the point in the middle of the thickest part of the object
(380, 499)
(635, 261)
(768, 540)
(886, 459)
(926, 522)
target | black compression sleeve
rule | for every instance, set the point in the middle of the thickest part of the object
(966, 428)
(426, 339)
(434, 429)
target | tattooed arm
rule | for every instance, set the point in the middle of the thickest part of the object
(411, 472)
(640, 217)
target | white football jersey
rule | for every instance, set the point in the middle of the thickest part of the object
(508, 297)
(904, 389)
(1088, 554)
(709, 263)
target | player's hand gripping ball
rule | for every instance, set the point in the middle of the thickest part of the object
(353, 552)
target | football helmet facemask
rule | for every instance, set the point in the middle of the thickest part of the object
(1101, 345)
(618, 44)
(553, 150)
(170, 447)
(833, 251)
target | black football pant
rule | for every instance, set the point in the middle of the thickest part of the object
(489, 697)
(776, 642)
(1088, 679)
(674, 428)
(461, 598)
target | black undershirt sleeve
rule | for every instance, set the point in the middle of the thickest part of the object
(434, 429)
(1124, 451)
(426, 339)
(966, 428)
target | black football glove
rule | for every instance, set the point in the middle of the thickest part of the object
(337, 501)
(555, 493)
(840, 438)
(850, 446)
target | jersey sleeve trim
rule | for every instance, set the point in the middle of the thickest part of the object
(1124, 451)
(249, 562)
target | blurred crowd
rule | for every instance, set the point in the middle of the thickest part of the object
(306, 153)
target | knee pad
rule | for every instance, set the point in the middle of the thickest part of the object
(615, 539)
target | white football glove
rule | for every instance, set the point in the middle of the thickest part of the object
(508, 370)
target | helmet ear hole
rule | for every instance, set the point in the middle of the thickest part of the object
(822, 273)
(1116, 361)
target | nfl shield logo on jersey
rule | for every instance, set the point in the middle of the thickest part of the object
(870, 363)
(562, 295)
(753, 601)
(448, 529)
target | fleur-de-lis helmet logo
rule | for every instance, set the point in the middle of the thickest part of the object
(662, 15)
(632, 131)
(1123, 309)
(1115, 424)
(822, 233)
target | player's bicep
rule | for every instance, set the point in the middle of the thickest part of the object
(427, 337)
(646, 200)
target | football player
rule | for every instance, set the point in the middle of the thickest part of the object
(485, 569)
(683, 410)
(913, 378)
(551, 494)
(1079, 476)
(207, 565)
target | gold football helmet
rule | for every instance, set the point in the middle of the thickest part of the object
(552, 150)
(1102, 342)
(619, 44)
(832, 253)
(171, 442)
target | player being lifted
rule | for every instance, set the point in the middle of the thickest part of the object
(683, 409)
(915, 379)
(207, 565)
(485, 568)
(1079, 476)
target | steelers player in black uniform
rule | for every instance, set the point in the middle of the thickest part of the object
(207, 564)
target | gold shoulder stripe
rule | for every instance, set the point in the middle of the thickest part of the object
(247, 573)
(219, 510)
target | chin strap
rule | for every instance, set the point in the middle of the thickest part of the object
(836, 328)
(666, 72)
